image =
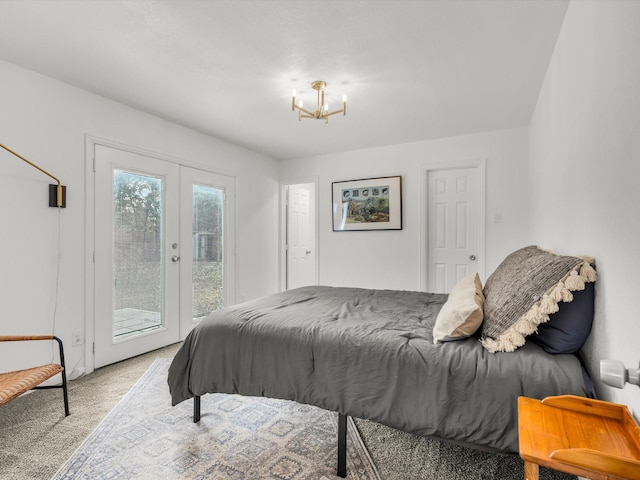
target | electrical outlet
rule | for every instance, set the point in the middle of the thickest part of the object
(76, 339)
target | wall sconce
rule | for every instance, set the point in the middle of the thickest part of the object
(57, 193)
(614, 374)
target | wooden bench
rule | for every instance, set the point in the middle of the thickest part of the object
(13, 384)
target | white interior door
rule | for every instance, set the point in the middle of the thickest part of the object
(136, 282)
(454, 206)
(301, 255)
(207, 245)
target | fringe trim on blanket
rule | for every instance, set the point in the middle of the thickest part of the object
(539, 312)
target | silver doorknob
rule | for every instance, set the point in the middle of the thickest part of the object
(472, 257)
(175, 258)
(308, 252)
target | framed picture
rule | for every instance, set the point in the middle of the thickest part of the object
(367, 204)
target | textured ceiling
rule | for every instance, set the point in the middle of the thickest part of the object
(412, 70)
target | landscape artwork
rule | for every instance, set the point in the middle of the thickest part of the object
(367, 204)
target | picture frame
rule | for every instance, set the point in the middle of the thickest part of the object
(367, 204)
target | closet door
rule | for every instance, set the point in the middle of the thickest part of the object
(454, 215)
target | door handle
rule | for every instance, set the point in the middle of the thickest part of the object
(308, 252)
(472, 257)
(175, 258)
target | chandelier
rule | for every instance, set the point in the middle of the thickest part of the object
(322, 108)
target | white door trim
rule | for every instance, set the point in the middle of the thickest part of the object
(284, 183)
(90, 142)
(480, 164)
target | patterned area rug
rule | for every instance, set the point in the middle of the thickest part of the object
(238, 438)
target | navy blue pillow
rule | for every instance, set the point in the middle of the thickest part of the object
(568, 328)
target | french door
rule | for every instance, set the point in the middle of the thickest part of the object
(163, 251)
(207, 277)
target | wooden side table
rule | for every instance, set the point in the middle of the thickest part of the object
(580, 436)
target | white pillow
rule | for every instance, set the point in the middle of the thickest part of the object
(462, 313)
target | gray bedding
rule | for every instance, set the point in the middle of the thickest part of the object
(369, 354)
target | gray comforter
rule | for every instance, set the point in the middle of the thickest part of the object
(369, 354)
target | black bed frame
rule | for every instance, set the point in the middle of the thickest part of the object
(342, 436)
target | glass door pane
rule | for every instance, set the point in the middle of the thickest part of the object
(208, 250)
(137, 254)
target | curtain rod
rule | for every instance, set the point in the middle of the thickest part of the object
(59, 200)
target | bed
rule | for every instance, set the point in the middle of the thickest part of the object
(372, 353)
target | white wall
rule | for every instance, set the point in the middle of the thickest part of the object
(46, 121)
(391, 259)
(585, 169)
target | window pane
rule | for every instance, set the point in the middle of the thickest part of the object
(208, 274)
(137, 253)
